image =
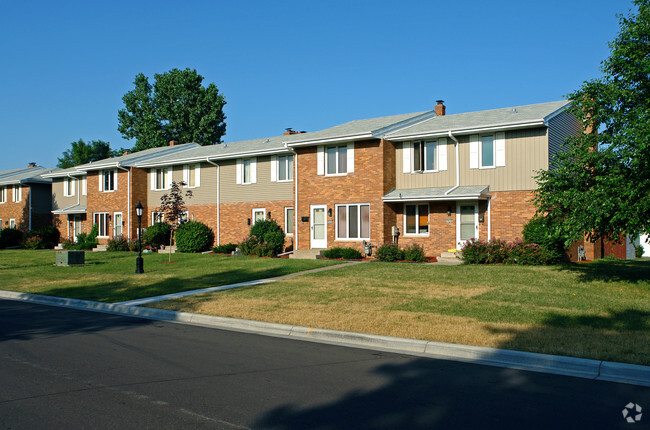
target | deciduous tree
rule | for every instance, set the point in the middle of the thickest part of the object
(82, 152)
(172, 205)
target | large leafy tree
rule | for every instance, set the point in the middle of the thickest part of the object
(600, 186)
(82, 152)
(177, 106)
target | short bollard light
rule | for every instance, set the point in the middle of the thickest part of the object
(139, 264)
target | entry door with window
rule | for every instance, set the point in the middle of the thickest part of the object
(76, 226)
(117, 224)
(318, 224)
(467, 223)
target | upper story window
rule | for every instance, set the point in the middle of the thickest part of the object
(246, 171)
(192, 175)
(3, 194)
(161, 178)
(487, 151)
(335, 159)
(18, 193)
(425, 156)
(282, 168)
(69, 187)
(108, 180)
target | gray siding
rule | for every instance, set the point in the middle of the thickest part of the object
(559, 129)
(41, 198)
(206, 193)
(526, 152)
(262, 190)
(60, 201)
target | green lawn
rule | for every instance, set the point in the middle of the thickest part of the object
(110, 277)
(599, 310)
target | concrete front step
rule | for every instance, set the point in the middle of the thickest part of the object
(100, 248)
(165, 250)
(307, 254)
(449, 259)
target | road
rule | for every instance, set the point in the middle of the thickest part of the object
(62, 368)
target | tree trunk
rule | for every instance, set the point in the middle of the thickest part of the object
(171, 235)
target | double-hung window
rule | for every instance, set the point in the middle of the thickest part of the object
(69, 187)
(108, 180)
(416, 218)
(246, 171)
(288, 221)
(18, 193)
(336, 160)
(192, 176)
(353, 221)
(285, 168)
(102, 220)
(425, 156)
(3, 194)
(487, 151)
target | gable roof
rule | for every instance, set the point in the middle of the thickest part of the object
(25, 175)
(487, 120)
(360, 129)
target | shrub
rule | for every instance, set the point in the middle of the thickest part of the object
(344, 253)
(10, 237)
(86, 241)
(68, 244)
(475, 251)
(530, 254)
(118, 243)
(266, 239)
(156, 235)
(389, 252)
(193, 236)
(49, 236)
(227, 248)
(638, 251)
(415, 253)
(546, 233)
(33, 242)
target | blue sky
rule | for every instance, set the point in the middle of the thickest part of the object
(302, 64)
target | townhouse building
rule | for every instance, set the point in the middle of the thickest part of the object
(24, 198)
(436, 179)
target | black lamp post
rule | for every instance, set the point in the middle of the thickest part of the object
(139, 266)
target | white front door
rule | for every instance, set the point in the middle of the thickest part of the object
(318, 224)
(76, 226)
(117, 224)
(466, 223)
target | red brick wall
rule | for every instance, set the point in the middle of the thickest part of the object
(234, 218)
(365, 185)
(19, 211)
(442, 235)
(510, 210)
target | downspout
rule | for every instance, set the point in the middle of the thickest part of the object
(78, 200)
(489, 232)
(295, 203)
(128, 197)
(218, 198)
(30, 206)
(456, 144)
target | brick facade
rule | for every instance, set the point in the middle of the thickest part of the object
(20, 211)
(234, 219)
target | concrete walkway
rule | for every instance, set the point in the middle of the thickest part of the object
(138, 302)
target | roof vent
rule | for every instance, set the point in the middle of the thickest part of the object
(514, 110)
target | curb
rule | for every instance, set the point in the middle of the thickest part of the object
(544, 363)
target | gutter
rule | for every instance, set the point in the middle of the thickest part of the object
(456, 144)
(496, 127)
(349, 138)
(213, 157)
(207, 160)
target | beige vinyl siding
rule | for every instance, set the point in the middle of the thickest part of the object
(59, 200)
(206, 193)
(445, 178)
(262, 190)
(559, 128)
(526, 152)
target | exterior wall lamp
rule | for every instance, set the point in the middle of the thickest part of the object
(448, 210)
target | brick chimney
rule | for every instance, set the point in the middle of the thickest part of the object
(289, 131)
(173, 142)
(441, 109)
(32, 164)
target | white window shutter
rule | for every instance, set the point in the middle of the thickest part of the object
(84, 186)
(168, 178)
(407, 155)
(442, 153)
(274, 168)
(114, 173)
(350, 154)
(320, 160)
(500, 149)
(74, 188)
(197, 175)
(101, 180)
(239, 168)
(152, 172)
(186, 175)
(253, 170)
(473, 151)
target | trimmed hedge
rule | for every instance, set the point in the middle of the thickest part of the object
(389, 252)
(193, 236)
(156, 235)
(10, 237)
(414, 253)
(498, 251)
(344, 253)
(227, 248)
(266, 239)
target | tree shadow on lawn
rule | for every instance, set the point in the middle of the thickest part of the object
(607, 270)
(119, 291)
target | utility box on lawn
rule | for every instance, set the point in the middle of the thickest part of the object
(70, 258)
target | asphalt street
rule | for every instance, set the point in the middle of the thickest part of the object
(63, 368)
